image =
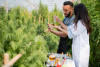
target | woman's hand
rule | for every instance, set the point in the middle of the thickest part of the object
(57, 27)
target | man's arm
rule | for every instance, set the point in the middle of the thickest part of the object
(61, 23)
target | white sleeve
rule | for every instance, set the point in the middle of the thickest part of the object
(70, 34)
(73, 31)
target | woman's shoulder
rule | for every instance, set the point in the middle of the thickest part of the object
(80, 22)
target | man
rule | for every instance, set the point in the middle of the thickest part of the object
(68, 20)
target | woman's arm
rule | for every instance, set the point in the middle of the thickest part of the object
(58, 33)
(65, 31)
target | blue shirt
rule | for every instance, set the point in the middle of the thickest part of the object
(68, 21)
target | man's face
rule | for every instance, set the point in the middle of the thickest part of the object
(67, 9)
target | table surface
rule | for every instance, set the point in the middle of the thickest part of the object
(69, 61)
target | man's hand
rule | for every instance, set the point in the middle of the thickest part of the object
(49, 27)
(57, 19)
(61, 23)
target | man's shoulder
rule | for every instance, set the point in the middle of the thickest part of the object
(71, 21)
(72, 18)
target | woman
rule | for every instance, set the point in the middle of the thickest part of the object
(79, 32)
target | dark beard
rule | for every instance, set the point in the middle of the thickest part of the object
(68, 14)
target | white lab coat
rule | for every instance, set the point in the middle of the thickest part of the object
(80, 44)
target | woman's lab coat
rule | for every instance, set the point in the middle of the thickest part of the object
(80, 44)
